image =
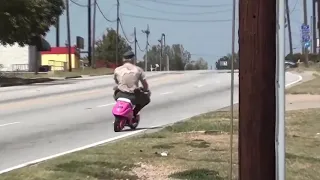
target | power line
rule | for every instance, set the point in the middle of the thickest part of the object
(124, 33)
(170, 12)
(294, 7)
(186, 5)
(175, 20)
(140, 47)
(81, 5)
(104, 15)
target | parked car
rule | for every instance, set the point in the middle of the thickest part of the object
(290, 64)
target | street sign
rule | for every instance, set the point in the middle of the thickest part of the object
(305, 27)
(307, 45)
(306, 38)
(305, 33)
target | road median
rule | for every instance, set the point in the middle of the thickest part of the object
(26, 78)
(6, 81)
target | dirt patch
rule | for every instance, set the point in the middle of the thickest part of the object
(151, 172)
(302, 101)
(293, 102)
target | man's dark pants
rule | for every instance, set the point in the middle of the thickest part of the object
(139, 99)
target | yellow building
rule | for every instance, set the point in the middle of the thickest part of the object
(58, 59)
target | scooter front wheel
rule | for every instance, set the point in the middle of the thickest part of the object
(119, 124)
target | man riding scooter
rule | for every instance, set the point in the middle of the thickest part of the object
(127, 78)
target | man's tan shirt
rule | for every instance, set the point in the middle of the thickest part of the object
(128, 76)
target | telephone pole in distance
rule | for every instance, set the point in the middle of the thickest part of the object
(89, 33)
(117, 38)
(147, 32)
(69, 35)
(135, 45)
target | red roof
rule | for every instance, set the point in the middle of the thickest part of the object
(59, 50)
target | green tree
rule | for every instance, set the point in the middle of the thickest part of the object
(23, 21)
(106, 47)
(190, 66)
(201, 64)
(178, 57)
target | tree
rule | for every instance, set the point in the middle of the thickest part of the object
(106, 47)
(178, 57)
(201, 64)
(24, 21)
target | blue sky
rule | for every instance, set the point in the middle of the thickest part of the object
(210, 40)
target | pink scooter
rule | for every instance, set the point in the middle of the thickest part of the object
(123, 113)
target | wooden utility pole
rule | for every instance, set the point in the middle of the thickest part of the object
(135, 45)
(69, 35)
(318, 25)
(164, 50)
(314, 27)
(305, 21)
(58, 32)
(89, 33)
(257, 91)
(289, 27)
(161, 54)
(117, 38)
(147, 32)
(93, 57)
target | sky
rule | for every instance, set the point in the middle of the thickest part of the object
(203, 27)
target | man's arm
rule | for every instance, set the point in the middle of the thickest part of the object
(144, 81)
(115, 78)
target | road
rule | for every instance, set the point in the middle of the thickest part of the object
(39, 121)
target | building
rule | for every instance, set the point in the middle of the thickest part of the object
(27, 58)
(17, 58)
(58, 59)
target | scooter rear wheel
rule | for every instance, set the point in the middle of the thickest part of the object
(135, 124)
(119, 124)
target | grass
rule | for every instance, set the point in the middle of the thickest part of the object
(85, 71)
(197, 149)
(302, 68)
(309, 87)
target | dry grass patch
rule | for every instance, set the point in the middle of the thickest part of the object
(309, 87)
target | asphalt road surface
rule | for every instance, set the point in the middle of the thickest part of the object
(38, 121)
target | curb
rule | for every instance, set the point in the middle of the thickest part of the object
(30, 81)
(72, 77)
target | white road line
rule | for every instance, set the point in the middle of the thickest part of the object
(294, 82)
(105, 105)
(71, 151)
(165, 93)
(289, 84)
(8, 124)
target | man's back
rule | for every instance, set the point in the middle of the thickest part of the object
(128, 77)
